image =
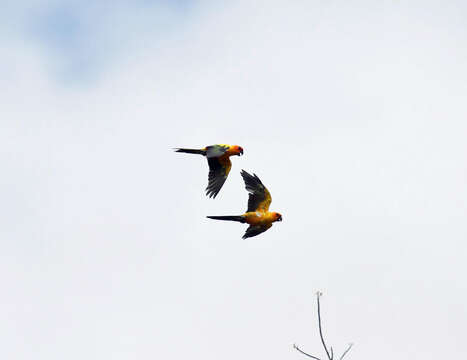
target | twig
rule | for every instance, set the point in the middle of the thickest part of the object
(304, 353)
(318, 295)
(330, 352)
(346, 351)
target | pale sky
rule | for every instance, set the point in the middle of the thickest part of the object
(353, 114)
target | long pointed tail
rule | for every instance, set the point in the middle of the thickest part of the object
(191, 151)
(228, 218)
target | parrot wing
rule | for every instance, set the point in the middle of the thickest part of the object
(259, 197)
(214, 151)
(218, 171)
(254, 230)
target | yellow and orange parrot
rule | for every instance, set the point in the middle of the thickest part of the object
(257, 215)
(219, 164)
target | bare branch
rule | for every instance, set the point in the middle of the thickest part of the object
(304, 353)
(330, 352)
(318, 295)
(346, 351)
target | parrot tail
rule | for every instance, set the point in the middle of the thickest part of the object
(191, 151)
(228, 218)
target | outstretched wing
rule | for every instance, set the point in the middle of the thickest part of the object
(254, 230)
(259, 197)
(219, 169)
(214, 151)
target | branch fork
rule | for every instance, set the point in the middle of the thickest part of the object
(329, 351)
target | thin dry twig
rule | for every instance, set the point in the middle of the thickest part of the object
(318, 295)
(304, 353)
(330, 352)
(346, 351)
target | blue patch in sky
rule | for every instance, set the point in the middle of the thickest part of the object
(178, 4)
(63, 33)
(73, 34)
(61, 28)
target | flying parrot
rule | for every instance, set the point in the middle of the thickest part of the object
(257, 215)
(219, 164)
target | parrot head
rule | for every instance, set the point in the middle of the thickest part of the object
(277, 216)
(238, 150)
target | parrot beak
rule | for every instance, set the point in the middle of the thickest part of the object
(279, 218)
(241, 152)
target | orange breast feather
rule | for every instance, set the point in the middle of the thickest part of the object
(259, 218)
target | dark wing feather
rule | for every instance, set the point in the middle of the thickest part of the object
(214, 151)
(218, 172)
(259, 197)
(254, 230)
